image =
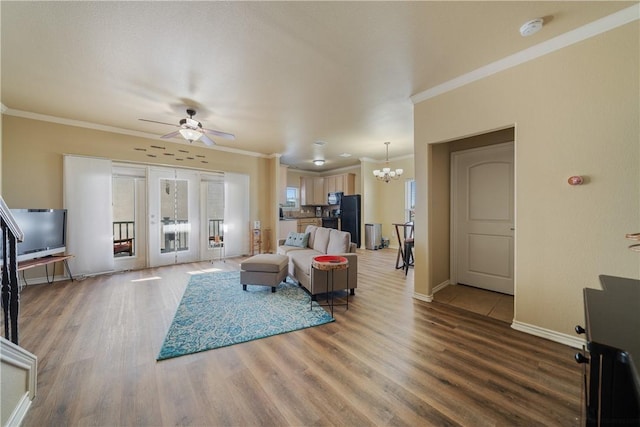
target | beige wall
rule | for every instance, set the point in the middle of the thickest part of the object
(576, 112)
(32, 153)
(383, 203)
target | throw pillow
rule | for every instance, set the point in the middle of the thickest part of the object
(297, 239)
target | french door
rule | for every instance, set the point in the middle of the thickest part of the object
(174, 221)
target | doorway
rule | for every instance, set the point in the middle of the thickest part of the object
(174, 216)
(129, 214)
(482, 218)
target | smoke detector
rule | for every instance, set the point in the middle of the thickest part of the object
(531, 27)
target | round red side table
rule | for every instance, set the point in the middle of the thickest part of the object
(331, 263)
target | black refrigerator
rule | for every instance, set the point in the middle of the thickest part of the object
(350, 217)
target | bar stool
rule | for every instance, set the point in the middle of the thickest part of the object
(408, 254)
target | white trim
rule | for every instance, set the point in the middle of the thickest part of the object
(423, 297)
(17, 356)
(112, 129)
(577, 35)
(571, 341)
(19, 412)
(441, 286)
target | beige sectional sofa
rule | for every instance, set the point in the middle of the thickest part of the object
(322, 241)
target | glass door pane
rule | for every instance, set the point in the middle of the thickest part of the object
(124, 214)
(174, 210)
(213, 243)
(173, 214)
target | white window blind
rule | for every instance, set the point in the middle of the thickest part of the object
(236, 214)
(87, 197)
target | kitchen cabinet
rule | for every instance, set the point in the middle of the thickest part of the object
(330, 184)
(303, 222)
(344, 183)
(306, 190)
(319, 195)
(312, 191)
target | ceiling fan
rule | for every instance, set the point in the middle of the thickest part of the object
(192, 130)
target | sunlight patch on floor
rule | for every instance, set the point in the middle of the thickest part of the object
(147, 279)
(205, 270)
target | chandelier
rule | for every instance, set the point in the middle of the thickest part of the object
(386, 174)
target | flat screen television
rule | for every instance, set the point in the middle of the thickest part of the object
(44, 231)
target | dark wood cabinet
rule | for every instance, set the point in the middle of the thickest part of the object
(612, 354)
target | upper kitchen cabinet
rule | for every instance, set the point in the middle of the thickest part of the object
(312, 191)
(319, 195)
(344, 183)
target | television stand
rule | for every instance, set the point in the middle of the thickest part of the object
(51, 259)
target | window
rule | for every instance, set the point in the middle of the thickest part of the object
(410, 200)
(293, 201)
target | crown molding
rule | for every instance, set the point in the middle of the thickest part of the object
(112, 129)
(569, 38)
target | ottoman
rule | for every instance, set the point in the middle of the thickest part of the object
(264, 269)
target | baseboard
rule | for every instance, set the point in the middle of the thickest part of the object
(571, 341)
(423, 297)
(429, 298)
(441, 286)
(19, 412)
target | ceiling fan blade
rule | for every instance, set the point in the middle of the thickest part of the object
(171, 135)
(220, 134)
(207, 141)
(162, 123)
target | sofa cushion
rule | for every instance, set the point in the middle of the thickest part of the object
(302, 259)
(338, 242)
(311, 229)
(297, 239)
(285, 250)
(321, 240)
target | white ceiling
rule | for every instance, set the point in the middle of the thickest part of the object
(278, 75)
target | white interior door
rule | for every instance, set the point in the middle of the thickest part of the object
(173, 216)
(483, 217)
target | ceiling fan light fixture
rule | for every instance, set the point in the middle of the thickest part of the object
(190, 134)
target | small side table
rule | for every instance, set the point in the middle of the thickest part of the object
(331, 263)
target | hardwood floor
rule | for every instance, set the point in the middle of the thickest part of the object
(388, 360)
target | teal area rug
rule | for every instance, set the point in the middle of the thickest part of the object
(215, 312)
